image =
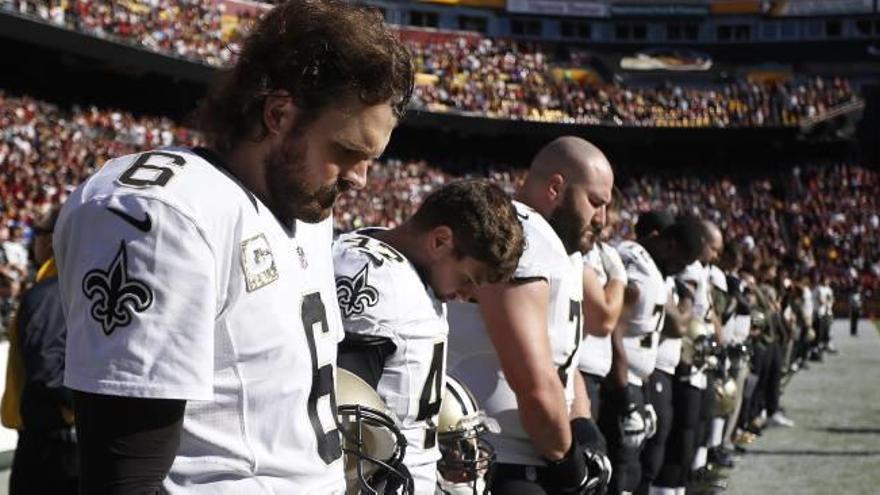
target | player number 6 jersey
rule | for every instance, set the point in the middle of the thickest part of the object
(177, 283)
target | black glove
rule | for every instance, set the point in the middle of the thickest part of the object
(632, 419)
(587, 433)
(569, 474)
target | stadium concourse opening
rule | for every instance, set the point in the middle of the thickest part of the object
(761, 125)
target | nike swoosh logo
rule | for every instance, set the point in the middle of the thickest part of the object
(143, 225)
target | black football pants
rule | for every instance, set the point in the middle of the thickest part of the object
(594, 383)
(659, 393)
(624, 460)
(682, 441)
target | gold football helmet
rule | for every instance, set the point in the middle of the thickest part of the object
(725, 396)
(373, 444)
(698, 346)
(467, 458)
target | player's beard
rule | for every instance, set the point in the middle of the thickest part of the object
(568, 225)
(287, 176)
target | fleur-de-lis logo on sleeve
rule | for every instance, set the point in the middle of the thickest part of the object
(114, 294)
(355, 294)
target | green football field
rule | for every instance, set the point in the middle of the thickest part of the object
(834, 447)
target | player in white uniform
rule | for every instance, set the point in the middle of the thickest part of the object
(516, 349)
(659, 387)
(736, 324)
(824, 303)
(687, 447)
(604, 282)
(392, 287)
(625, 418)
(198, 285)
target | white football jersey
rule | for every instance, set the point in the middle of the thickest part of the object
(643, 319)
(177, 283)
(669, 349)
(807, 307)
(824, 296)
(738, 331)
(698, 274)
(472, 357)
(717, 278)
(382, 295)
(596, 352)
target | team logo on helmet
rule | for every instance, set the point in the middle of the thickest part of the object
(114, 294)
(355, 294)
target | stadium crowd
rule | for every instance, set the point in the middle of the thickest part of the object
(825, 217)
(481, 76)
(44, 153)
(196, 30)
(504, 79)
(185, 322)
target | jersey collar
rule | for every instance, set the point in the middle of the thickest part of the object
(218, 163)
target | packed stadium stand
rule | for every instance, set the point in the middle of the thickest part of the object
(474, 74)
(763, 117)
(825, 216)
(515, 77)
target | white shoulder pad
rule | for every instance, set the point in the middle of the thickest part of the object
(373, 284)
(718, 278)
(636, 259)
(140, 292)
(592, 259)
(693, 273)
(543, 250)
(175, 176)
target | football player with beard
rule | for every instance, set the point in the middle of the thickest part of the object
(198, 283)
(516, 347)
(626, 418)
(393, 285)
(604, 283)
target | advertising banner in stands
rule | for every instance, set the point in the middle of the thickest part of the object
(567, 8)
(489, 4)
(792, 8)
(653, 10)
(672, 59)
(738, 7)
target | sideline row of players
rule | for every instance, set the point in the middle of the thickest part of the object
(208, 307)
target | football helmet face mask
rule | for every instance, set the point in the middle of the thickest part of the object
(699, 347)
(466, 462)
(373, 444)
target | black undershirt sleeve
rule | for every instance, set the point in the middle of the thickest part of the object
(365, 356)
(126, 444)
